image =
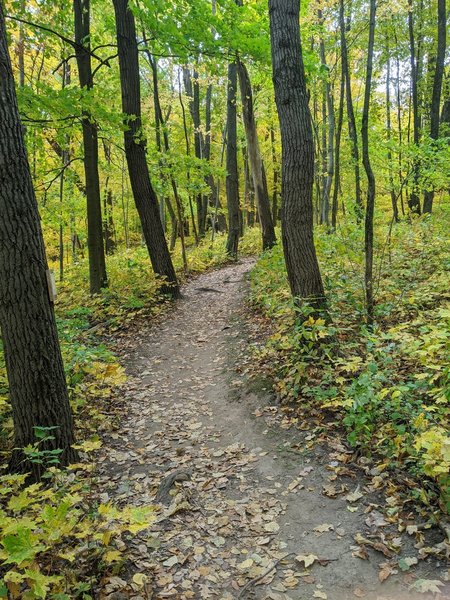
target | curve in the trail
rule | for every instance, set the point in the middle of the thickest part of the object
(247, 497)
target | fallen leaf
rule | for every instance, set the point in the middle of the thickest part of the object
(320, 594)
(323, 528)
(428, 585)
(307, 559)
(139, 579)
(406, 563)
(354, 496)
(246, 564)
(170, 562)
(359, 593)
(385, 571)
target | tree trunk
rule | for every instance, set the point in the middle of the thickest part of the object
(297, 154)
(370, 207)
(255, 160)
(143, 192)
(350, 114)
(414, 201)
(97, 265)
(276, 174)
(37, 384)
(232, 181)
(329, 132)
(389, 133)
(437, 89)
(193, 92)
(337, 177)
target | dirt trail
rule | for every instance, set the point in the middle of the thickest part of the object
(249, 494)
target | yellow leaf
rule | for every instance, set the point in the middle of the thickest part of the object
(139, 579)
(112, 556)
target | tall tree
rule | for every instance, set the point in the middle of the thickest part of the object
(37, 384)
(255, 161)
(350, 112)
(297, 153)
(370, 205)
(389, 132)
(232, 181)
(329, 126)
(437, 88)
(192, 89)
(414, 201)
(143, 192)
(97, 266)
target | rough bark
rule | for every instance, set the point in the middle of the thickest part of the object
(334, 207)
(350, 114)
(389, 133)
(255, 160)
(276, 174)
(97, 265)
(370, 206)
(437, 89)
(143, 192)
(232, 180)
(193, 92)
(34, 365)
(329, 126)
(297, 154)
(414, 201)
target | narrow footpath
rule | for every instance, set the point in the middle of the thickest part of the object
(242, 512)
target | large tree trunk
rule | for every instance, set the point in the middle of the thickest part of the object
(370, 206)
(34, 365)
(437, 89)
(143, 192)
(275, 174)
(297, 153)
(350, 114)
(232, 181)
(255, 160)
(97, 266)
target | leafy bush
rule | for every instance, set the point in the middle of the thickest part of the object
(390, 387)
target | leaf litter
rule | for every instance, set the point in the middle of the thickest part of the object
(238, 498)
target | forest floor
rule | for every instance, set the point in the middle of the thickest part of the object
(248, 516)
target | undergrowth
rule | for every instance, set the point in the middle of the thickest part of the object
(388, 387)
(57, 540)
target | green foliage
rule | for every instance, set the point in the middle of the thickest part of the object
(389, 387)
(53, 535)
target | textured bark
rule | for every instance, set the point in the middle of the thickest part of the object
(370, 206)
(437, 89)
(350, 113)
(276, 175)
(34, 365)
(97, 266)
(255, 160)
(193, 92)
(329, 126)
(297, 154)
(414, 201)
(389, 133)
(232, 181)
(337, 177)
(143, 192)
(249, 191)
